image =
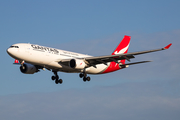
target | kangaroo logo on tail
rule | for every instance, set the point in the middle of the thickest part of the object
(124, 50)
(123, 46)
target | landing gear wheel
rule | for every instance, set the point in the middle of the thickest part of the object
(88, 78)
(56, 81)
(60, 81)
(81, 75)
(84, 75)
(56, 78)
(84, 79)
(53, 77)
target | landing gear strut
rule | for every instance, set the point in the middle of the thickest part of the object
(85, 78)
(56, 78)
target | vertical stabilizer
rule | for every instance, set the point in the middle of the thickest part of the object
(122, 48)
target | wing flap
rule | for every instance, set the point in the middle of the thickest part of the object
(99, 60)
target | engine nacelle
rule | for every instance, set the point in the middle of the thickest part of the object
(28, 68)
(77, 64)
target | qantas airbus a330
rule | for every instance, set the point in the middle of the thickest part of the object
(33, 57)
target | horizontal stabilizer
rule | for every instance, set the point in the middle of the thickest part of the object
(16, 62)
(135, 63)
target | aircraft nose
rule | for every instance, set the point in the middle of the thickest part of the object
(8, 51)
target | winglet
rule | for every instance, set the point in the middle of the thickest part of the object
(168, 46)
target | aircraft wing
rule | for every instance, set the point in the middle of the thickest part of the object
(92, 61)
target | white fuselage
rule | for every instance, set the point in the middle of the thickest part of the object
(34, 57)
(50, 58)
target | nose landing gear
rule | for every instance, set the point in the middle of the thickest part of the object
(56, 78)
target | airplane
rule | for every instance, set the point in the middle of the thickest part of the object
(32, 58)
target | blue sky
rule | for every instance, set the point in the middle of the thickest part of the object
(145, 91)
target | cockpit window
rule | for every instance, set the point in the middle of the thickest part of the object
(14, 47)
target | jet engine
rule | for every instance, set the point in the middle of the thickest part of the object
(77, 64)
(28, 68)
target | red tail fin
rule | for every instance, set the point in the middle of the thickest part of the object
(123, 46)
(121, 49)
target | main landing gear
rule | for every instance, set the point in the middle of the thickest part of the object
(81, 75)
(56, 78)
(85, 78)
